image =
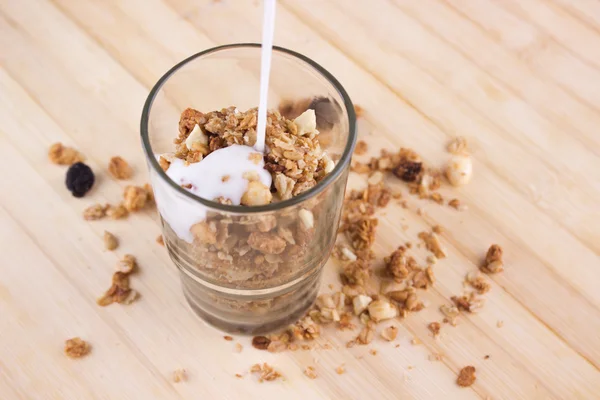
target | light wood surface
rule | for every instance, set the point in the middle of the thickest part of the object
(520, 79)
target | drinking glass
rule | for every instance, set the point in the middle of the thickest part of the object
(233, 286)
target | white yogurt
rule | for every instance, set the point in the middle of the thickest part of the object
(220, 174)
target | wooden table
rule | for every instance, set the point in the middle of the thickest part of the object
(520, 79)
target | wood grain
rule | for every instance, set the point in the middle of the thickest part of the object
(519, 79)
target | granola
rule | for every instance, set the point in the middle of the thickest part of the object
(493, 260)
(110, 241)
(76, 347)
(478, 282)
(62, 155)
(466, 376)
(265, 372)
(119, 168)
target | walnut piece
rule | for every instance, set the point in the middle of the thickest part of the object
(493, 260)
(466, 376)
(95, 212)
(116, 212)
(478, 282)
(119, 168)
(59, 154)
(433, 244)
(76, 347)
(110, 241)
(265, 372)
(134, 198)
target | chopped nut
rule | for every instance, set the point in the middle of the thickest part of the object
(160, 240)
(366, 335)
(493, 260)
(310, 372)
(110, 241)
(116, 212)
(179, 375)
(59, 154)
(119, 168)
(197, 140)
(257, 194)
(459, 170)
(478, 282)
(434, 327)
(433, 244)
(127, 264)
(375, 178)
(390, 333)
(450, 312)
(135, 198)
(469, 303)
(307, 218)
(76, 347)
(466, 376)
(265, 372)
(360, 303)
(415, 341)
(380, 310)
(238, 348)
(306, 122)
(361, 148)
(435, 357)
(267, 243)
(261, 342)
(458, 145)
(97, 211)
(164, 163)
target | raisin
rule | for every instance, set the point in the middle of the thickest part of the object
(408, 171)
(260, 342)
(80, 179)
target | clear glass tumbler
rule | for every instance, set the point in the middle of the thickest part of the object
(234, 286)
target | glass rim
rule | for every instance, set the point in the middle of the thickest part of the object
(239, 209)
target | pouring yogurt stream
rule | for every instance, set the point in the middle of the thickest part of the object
(223, 173)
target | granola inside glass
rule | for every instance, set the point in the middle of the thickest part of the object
(250, 264)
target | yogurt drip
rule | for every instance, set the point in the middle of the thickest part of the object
(220, 174)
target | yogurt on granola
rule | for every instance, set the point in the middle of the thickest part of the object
(225, 173)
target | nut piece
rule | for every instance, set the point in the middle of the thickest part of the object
(195, 138)
(306, 122)
(265, 372)
(434, 327)
(459, 170)
(466, 376)
(390, 333)
(267, 243)
(119, 168)
(59, 154)
(92, 213)
(307, 218)
(179, 375)
(76, 347)
(380, 310)
(117, 212)
(127, 264)
(478, 282)
(360, 303)
(433, 244)
(261, 342)
(361, 148)
(257, 194)
(135, 198)
(310, 372)
(110, 241)
(450, 312)
(493, 260)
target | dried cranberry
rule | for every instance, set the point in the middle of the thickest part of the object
(408, 171)
(80, 179)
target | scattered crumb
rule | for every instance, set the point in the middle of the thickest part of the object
(310, 372)
(127, 264)
(390, 333)
(359, 111)
(433, 244)
(437, 229)
(179, 375)
(450, 312)
(396, 346)
(373, 352)
(238, 348)
(486, 357)
(476, 280)
(435, 357)
(469, 302)
(415, 342)
(500, 324)
(119, 168)
(361, 148)
(160, 240)
(265, 372)
(76, 347)
(455, 203)
(330, 286)
(228, 338)
(61, 155)
(434, 327)
(135, 198)
(261, 342)
(466, 376)
(238, 376)
(458, 145)
(110, 241)
(116, 212)
(493, 260)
